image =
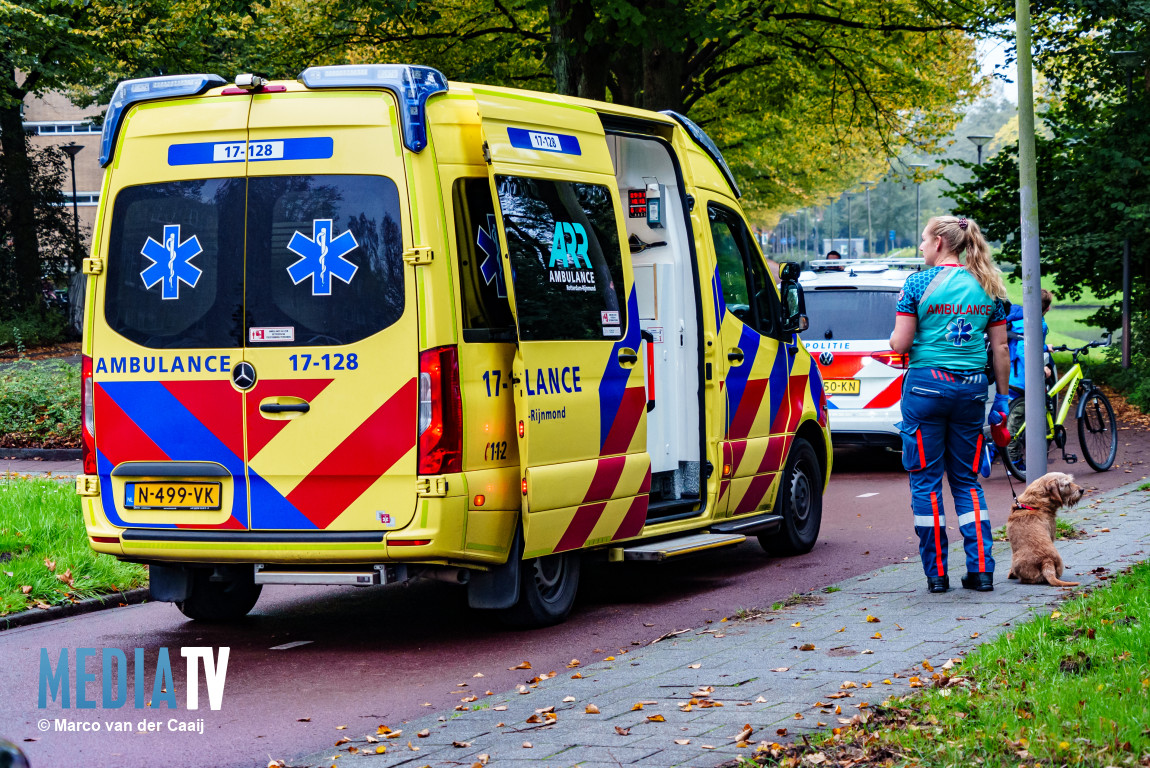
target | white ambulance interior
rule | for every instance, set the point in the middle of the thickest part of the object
(666, 288)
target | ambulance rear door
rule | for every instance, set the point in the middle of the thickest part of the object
(578, 374)
(330, 329)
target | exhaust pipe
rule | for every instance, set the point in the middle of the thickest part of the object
(446, 575)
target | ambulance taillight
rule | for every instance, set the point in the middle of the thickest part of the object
(440, 412)
(87, 409)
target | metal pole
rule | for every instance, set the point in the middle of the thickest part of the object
(850, 233)
(1031, 265)
(75, 217)
(1126, 259)
(917, 207)
(869, 231)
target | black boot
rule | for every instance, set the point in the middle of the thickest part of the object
(937, 583)
(982, 582)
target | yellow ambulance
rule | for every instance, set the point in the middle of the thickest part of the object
(370, 326)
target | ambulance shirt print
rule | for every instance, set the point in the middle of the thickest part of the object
(952, 311)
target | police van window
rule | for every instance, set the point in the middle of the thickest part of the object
(851, 314)
(175, 264)
(324, 259)
(563, 246)
(747, 287)
(485, 309)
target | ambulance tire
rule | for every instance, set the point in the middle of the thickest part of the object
(218, 602)
(800, 500)
(547, 587)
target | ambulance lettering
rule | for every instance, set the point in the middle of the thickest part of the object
(553, 381)
(171, 262)
(322, 257)
(570, 264)
(160, 364)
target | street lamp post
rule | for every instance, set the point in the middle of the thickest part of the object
(979, 142)
(850, 233)
(1129, 61)
(869, 232)
(72, 149)
(917, 196)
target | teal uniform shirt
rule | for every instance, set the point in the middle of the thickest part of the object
(952, 311)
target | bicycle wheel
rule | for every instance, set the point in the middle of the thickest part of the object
(1097, 430)
(1014, 454)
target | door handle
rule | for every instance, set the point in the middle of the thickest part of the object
(285, 407)
(735, 355)
(628, 357)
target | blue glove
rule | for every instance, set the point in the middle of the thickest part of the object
(998, 411)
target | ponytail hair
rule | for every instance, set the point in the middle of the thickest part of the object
(963, 237)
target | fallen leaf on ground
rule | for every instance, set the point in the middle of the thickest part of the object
(689, 666)
(807, 647)
(573, 663)
(534, 719)
(927, 665)
(780, 669)
(744, 734)
(577, 676)
(798, 715)
(760, 700)
(304, 720)
(876, 636)
(781, 731)
(478, 674)
(622, 731)
(500, 708)
(656, 718)
(344, 727)
(680, 742)
(609, 658)
(412, 747)
(380, 750)
(568, 699)
(873, 619)
(797, 624)
(424, 733)
(522, 665)
(461, 744)
(591, 709)
(848, 684)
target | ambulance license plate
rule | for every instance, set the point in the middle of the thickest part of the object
(172, 496)
(841, 386)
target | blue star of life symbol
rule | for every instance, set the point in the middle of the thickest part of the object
(171, 262)
(958, 331)
(322, 257)
(490, 267)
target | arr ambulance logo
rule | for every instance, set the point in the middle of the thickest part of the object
(322, 257)
(569, 245)
(171, 262)
(958, 332)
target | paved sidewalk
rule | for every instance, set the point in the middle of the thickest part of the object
(39, 468)
(759, 673)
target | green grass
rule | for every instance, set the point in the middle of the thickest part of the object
(1014, 293)
(1070, 687)
(40, 521)
(40, 405)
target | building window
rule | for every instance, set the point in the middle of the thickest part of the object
(82, 198)
(62, 127)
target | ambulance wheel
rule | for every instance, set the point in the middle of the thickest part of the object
(800, 502)
(547, 587)
(216, 602)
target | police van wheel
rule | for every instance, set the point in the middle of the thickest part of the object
(547, 590)
(220, 601)
(801, 503)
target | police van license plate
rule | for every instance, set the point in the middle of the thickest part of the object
(172, 496)
(841, 386)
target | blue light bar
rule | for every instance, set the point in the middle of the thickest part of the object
(411, 85)
(703, 140)
(130, 92)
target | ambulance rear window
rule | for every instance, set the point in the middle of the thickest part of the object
(175, 264)
(483, 295)
(563, 243)
(324, 258)
(857, 315)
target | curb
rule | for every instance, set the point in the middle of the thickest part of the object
(44, 454)
(92, 604)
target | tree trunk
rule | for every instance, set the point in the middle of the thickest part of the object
(17, 199)
(662, 76)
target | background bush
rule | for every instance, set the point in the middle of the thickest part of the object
(40, 404)
(32, 329)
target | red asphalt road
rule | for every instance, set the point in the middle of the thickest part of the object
(382, 655)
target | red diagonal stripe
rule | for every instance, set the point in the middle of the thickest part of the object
(118, 437)
(215, 404)
(634, 520)
(607, 474)
(631, 409)
(777, 447)
(380, 441)
(581, 526)
(261, 430)
(756, 492)
(797, 392)
(738, 448)
(889, 396)
(231, 524)
(748, 408)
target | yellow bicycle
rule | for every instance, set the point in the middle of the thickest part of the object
(1097, 428)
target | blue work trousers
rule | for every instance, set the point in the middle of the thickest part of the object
(942, 415)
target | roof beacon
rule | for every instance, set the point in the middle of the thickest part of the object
(130, 92)
(411, 85)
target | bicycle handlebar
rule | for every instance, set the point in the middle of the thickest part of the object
(1080, 350)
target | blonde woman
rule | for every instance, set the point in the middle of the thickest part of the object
(942, 314)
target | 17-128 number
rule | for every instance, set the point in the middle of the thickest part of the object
(329, 362)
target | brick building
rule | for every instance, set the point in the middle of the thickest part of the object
(52, 119)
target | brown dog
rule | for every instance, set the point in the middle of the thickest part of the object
(1031, 529)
